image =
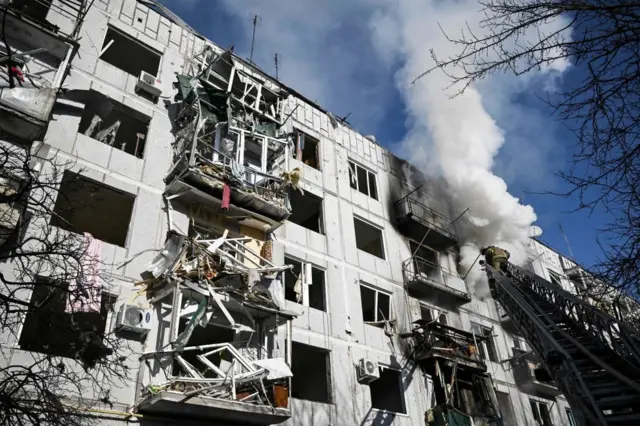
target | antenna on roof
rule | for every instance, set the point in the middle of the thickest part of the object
(344, 119)
(276, 61)
(565, 239)
(256, 20)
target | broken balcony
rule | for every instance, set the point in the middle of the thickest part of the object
(436, 343)
(530, 374)
(227, 159)
(425, 278)
(421, 223)
(34, 62)
(220, 314)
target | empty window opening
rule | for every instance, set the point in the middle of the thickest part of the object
(387, 392)
(123, 128)
(486, 347)
(36, 9)
(84, 205)
(128, 54)
(506, 409)
(50, 329)
(295, 281)
(306, 150)
(363, 180)
(306, 210)
(204, 336)
(311, 368)
(433, 315)
(368, 238)
(376, 306)
(541, 413)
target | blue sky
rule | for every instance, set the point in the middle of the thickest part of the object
(352, 57)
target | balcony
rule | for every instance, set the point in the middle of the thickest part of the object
(220, 312)
(414, 219)
(424, 278)
(530, 374)
(505, 319)
(432, 341)
(40, 56)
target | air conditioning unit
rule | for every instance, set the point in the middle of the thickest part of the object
(134, 319)
(149, 83)
(368, 371)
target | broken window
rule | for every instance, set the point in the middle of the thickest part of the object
(368, 238)
(306, 149)
(387, 392)
(128, 54)
(363, 180)
(295, 281)
(311, 368)
(306, 210)
(506, 409)
(36, 9)
(84, 205)
(555, 278)
(376, 306)
(425, 260)
(486, 347)
(123, 128)
(540, 413)
(52, 329)
(207, 335)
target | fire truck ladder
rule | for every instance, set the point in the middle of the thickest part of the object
(593, 357)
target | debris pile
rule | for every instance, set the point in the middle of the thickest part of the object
(230, 136)
(221, 281)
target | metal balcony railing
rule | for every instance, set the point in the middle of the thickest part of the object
(409, 207)
(435, 339)
(419, 271)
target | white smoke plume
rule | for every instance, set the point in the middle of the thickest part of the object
(461, 138)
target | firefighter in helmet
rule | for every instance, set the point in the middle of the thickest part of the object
(496, 257)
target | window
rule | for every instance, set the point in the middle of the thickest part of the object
(123, 128)
(307, 150)
(520, 343)
(429, 315)
(572, 420)
(368, 238)
(313, 294)
(486, 346)
(206, 335)
(311, 368)
(540, 413)
(306, 210)
(555, 278)
(53, 329)
(128, 54)
(506, 409)
(363, 180)
(376, 306)
(387, 392)
(83, 205)
(425, 260)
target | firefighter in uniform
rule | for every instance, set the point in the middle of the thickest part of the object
(496, 257)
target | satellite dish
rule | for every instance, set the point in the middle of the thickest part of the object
(535, 231)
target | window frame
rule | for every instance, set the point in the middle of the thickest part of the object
(375, 303)
(554, 276)
(482, 345)
(537, 413)
(353, 175)
(305, 296)
(301, 134)
(378, 228)
(570, 416)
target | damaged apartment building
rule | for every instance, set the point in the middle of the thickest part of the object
(265, 262)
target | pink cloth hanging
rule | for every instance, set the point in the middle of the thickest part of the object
(86, 296)
(226, 196)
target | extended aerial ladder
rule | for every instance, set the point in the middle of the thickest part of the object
(593, 357)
